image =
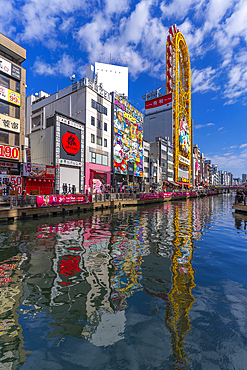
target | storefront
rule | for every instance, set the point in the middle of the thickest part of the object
(38, 179)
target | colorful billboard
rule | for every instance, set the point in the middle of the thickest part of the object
(38, 170)
(184, 136)
(10, 96)
(128, 140)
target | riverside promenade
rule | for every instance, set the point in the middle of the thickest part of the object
(13, 208)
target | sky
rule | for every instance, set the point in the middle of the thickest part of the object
(62, 37)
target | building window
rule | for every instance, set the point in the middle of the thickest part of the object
(92, 121)
(98, 158)
(99, 107)
(4, 137)
(99, 123)
(36, 121)
(105, 126)
(4, 108)
(18, 87)
(105, 143)
(17, 140)
(92, 138)
(4, 81)
(99, 140)
(17, 112)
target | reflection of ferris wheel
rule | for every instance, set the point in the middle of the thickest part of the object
(178, 82)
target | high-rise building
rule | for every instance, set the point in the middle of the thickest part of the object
(12, 107)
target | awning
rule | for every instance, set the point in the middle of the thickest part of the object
(173, 183)
(154, 183)
(184, 183)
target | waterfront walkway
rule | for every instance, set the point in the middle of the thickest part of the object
(12, 208)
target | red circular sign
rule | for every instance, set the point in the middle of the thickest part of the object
(71, 143)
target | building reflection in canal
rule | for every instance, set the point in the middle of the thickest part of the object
(90, 269)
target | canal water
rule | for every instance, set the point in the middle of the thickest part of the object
(158, 287)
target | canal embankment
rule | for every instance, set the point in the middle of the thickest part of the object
(52, 205)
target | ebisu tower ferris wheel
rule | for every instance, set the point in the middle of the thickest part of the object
(178, 82)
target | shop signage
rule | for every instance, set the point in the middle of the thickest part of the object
(184, 180)
(9, 123)
(38, 170)
(8, 164)
(10, 96)
(9, 152)
(184, 160)
(15, 181)
(10, 69)
(71, 143)
(158, 104)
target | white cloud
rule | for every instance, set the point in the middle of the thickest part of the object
(65, 67)
(234, 146)
(243, 146)
(204, 125)
(221, 128)
(203, 80)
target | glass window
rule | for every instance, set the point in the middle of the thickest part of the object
(4, 137)
(17, 112)
(4, 81)
(98, 158)
(36, 121)
(92, 121)
(4, 108)
(92, 138)
(99, 140)
(105, 126)
(18, 87)
(17, 139)
(93, 157)
(104, 160)
(99, 123)
(105, 143)
(99, 107)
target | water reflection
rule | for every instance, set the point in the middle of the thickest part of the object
(104, 280)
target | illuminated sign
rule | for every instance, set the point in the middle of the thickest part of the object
(184, 136)
(71, 143)
(158, 104)
(9, 123)
(9, 152)
(184, 160)
(10, 96)
(10, 69)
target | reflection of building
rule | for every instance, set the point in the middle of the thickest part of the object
(180, 296)
(127, 144)
(81, 102)
(146, 165)
(11, 342)
(12, 105)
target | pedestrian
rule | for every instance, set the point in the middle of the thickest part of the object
(69, 189)
(65, 188)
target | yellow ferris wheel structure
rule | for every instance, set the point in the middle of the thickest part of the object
(178, 82)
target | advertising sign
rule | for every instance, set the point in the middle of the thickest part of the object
(128, 143)
(10, 69)
(56, 200)
(9, 123)
(70, 147)
(9, 152)
(15, 181)
(10, 96)
(71, 144)
(158, 104)
(184, 136)
(38, 170)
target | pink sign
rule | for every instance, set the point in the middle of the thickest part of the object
(56, 200)
(149, 196)
(164, 195)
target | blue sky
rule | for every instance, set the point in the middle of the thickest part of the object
(62, 37)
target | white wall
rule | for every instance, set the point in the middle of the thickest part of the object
(42, 146)
(113, 78)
